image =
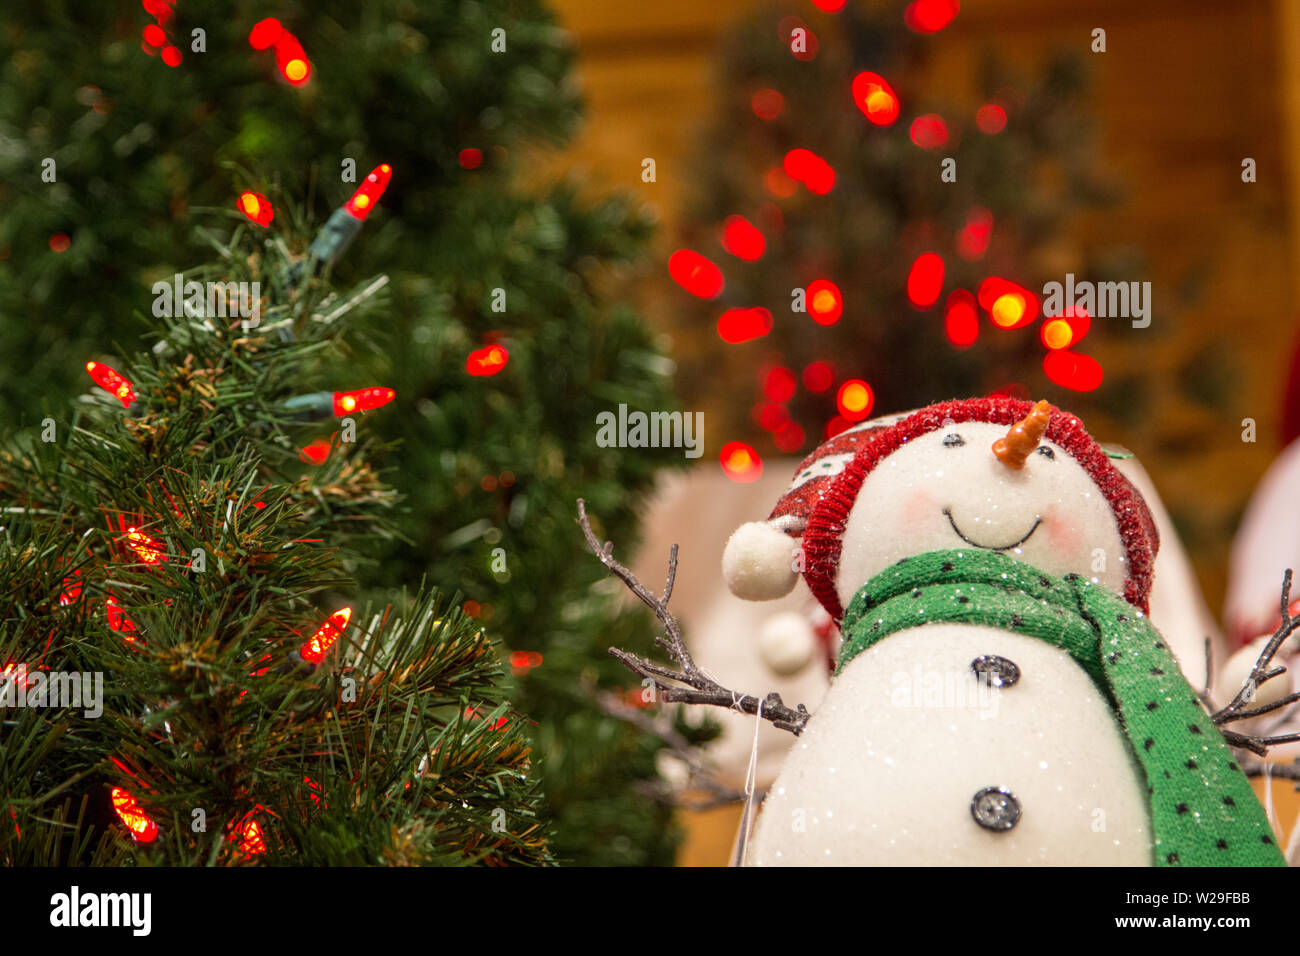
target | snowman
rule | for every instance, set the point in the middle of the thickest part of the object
(1000, 696)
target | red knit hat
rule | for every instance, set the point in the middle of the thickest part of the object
(818, 503)
(823, 535)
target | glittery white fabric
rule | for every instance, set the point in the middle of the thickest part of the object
(885, 772)
(928, 494)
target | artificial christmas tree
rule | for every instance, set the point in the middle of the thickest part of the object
(187, 685)
(499, 334)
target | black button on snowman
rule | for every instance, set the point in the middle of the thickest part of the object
(995, 808)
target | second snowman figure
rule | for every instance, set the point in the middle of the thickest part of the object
(1000, 696)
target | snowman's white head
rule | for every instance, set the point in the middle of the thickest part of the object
(1048, 496)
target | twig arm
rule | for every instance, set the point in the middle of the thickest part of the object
(699, 687)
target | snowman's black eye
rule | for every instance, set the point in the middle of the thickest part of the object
(953, 441)
(1046, 452)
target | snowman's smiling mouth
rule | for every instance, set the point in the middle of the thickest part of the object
(991, 547)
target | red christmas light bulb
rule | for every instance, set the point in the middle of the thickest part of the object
(368, 193)
(118, 620)
(107, 378)
(142, 828)
(291, 59)
(146, 548)
(314, 650)
(265, 33)
(487, 361)
(256, 207)
(316, 452)
(362, 400)
(249, 833)
(741, 325)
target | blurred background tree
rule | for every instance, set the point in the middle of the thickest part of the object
(823, 171)
(458, 97)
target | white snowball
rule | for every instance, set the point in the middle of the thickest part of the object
(786, 643)
(758, 564)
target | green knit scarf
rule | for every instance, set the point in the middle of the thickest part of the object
(1203, 811)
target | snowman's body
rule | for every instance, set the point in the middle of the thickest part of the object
(988, 537)
(886, 770)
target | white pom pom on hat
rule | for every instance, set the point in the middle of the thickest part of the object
(759, 562)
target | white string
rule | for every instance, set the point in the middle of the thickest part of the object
(751, 781)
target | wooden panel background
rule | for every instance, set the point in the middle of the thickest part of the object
(1185, 91)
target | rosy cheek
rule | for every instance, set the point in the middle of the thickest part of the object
(918, 507)
(1062, 532)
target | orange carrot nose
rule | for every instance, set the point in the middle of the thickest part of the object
(1023, 437)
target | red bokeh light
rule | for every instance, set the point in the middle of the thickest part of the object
(973, 239)
(470, 158)
(818, 376)
(961, 322)
(925, 280)
(742, 325)
(171, 56)
(155, 35)
(836, 425)
(696, 274)
(991, 118)
(771, 415)
(740, 462)
(265, 33)
(805, 166)
(789, 437)
(930, 16)
(1009, 305)
(929, 131)
(776, 182)
(875, 98)
(742, 239)
(779, 384)
(59, 242)
(1080, 373)
(767, 104)
(854, 400)
(824, 301)
(1065, 330)
(830, 6)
